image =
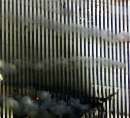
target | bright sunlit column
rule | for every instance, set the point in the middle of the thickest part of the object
(118, 59)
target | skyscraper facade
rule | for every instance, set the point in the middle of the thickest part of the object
(70, 46)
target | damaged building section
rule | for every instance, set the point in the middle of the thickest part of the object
(64, 58)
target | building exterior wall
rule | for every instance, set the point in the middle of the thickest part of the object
(90, 38)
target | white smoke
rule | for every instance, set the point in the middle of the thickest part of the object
(10, 68)
(84, 31)
(7, 68)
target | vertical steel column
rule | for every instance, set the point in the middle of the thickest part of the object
(7, 52)
(64, 47)
(55, 41)
(126, 59)
(111, 51)
(115, 55)
(110, 54)
(43, 40)
(3, 48)
(118, 59)
(50, 50)
(86, 49)
(128, 24)
(31, 29)
(122, 71)
(39, 42)
(78, 41)
(19, 38)
(107, 27)
(22, 74)
(82, 46)
(47, 43)
(74, 44)
(26, 37)
(99, 48)
(94, 22)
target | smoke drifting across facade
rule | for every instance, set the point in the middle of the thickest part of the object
(75, 47)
